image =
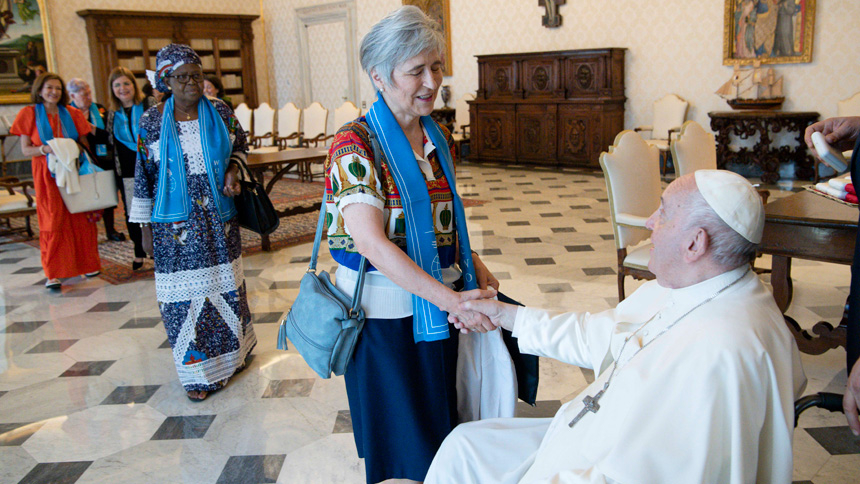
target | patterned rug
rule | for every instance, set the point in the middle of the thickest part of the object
(116, 257)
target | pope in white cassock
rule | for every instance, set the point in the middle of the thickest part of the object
(697, 371)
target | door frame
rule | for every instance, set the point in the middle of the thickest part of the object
(335, 12)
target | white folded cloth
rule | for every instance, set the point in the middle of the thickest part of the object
(63, 163)
(838, 183)
(826, 188)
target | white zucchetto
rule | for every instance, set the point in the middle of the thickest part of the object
(735, 200)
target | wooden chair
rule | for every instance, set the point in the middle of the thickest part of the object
(289, 123)
(347, 112)
(16, 202)
(264, 126)
(243, 114)
(461, 123)
(695, 149)
(669, 114)
(632, 171)
(314, 119)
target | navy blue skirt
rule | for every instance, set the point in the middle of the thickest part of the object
(402, 398)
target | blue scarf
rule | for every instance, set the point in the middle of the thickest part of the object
(95, 117)
(120, 126)
(429, 322)
(67, 125)
(172, 202)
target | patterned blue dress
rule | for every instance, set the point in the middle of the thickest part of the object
(199, 280)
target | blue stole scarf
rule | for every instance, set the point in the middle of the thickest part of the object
(120, 126)
(429, 322)
(67, 125)
(95, 117)
(173, 201)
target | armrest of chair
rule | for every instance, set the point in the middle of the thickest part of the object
(676, 129)
(643, 128)
(465, 129)
(281, 141)
(630, 220)
(10, 183)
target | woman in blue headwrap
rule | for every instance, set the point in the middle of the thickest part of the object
(410, 225)
(185, 177)
(127, 104)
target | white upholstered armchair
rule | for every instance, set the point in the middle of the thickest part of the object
(669, 114)
(632, 172)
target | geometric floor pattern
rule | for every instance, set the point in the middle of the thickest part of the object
(89, 393)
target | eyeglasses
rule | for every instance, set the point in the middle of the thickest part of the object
(186, 78)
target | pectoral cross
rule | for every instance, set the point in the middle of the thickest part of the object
(590, 405)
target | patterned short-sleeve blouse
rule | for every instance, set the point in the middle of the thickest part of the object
(351, 177)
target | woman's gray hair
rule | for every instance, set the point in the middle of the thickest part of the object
(728, 248)
(75, 85)
(400, 36)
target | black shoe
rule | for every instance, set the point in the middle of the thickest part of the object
(116, 236)
(136, 265)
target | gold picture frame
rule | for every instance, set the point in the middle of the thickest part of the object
(769, 31)
(440, 11)
(25, 48)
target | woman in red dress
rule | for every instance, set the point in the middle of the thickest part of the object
(68, 242)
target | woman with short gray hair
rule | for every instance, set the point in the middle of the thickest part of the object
(393, 201)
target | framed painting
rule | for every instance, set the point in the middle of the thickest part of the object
(440, 11)
(769, 31)
(25, 48)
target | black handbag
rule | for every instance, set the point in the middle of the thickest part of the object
(255, 210)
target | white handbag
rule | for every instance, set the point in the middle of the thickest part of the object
(92, 191)
(98, 191)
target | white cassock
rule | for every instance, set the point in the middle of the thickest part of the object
(710, 401)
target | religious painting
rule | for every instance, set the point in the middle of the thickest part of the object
(440, 11)
(768, 31)
(25, 48)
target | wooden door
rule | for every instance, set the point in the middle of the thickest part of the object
(493, 136)
(535, 132)
(577, 135)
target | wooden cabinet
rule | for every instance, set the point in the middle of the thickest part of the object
(548, 108)
(131, 39)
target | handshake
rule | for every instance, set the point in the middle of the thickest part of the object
(478, 310)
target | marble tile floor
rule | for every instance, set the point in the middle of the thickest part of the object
(88, 391)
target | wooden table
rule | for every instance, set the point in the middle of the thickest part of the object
(297, 161)
(766, 123)
(808, 226)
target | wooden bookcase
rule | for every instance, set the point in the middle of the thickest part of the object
(132, 39)
(548, 108)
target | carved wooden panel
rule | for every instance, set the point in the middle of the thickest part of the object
(500, 79)
(541, 78)
(584, 77)
(576, 132)
(495, 134)
(535, 131)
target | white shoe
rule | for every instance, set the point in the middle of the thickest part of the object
(52, 284)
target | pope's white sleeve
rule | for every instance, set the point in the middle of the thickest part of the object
(581, 339)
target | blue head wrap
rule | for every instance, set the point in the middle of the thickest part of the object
(170, 58)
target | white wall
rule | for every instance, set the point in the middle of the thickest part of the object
(672, 46)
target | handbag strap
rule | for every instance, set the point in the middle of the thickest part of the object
(362, 267)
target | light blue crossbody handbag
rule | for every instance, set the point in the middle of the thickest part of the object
(323, 323)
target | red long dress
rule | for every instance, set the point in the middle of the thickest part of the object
(68, 242)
